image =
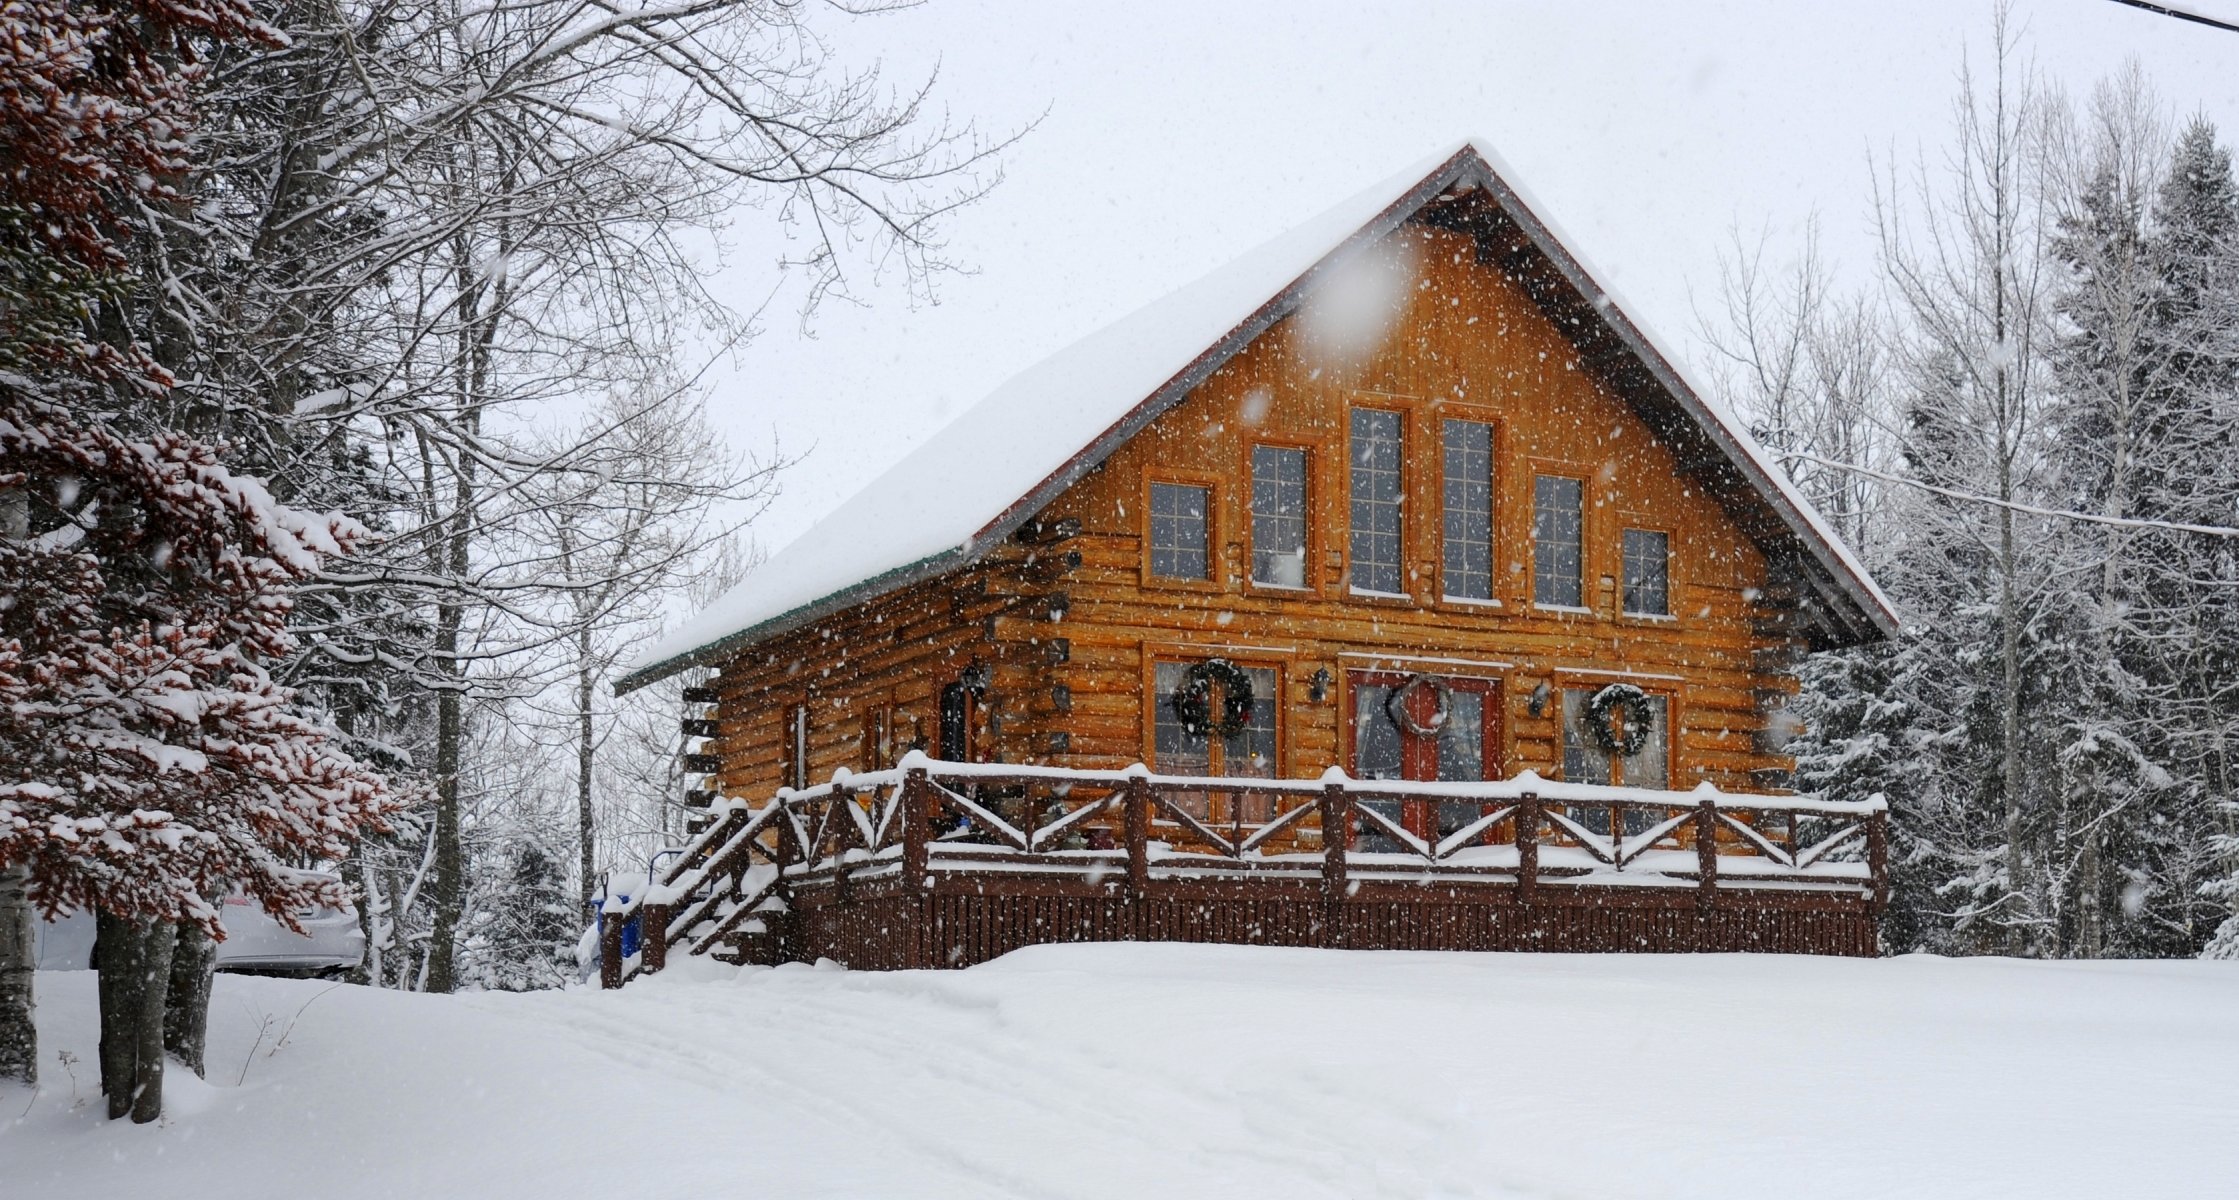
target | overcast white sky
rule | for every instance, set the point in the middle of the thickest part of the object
(1180, 133)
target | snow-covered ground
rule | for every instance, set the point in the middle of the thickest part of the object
(1167, 1071)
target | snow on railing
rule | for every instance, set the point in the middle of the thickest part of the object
(925, 815)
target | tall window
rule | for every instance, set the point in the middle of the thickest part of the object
(1469, 510)
(1376, 501)
(1558, 541)
(1647, 573)
(1278, 516)
(1178, 531)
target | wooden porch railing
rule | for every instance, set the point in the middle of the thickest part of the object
(927, 818)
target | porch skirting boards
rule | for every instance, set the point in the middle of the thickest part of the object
(963, 921)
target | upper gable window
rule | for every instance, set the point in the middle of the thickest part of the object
(1278, 516)
(1469, 511)
(1558, 541)
(1647, 573)
(1179, 535)
(1376, 501)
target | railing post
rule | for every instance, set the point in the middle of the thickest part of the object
(1527, 848)
(1877, 856)
(1706, 853)
(610, 948)
(1337, 828)
(653, 932)
(1138, 834)
(917, 829)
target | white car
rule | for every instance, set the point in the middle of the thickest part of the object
(332, 940)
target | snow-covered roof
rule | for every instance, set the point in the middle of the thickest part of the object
(999, 462)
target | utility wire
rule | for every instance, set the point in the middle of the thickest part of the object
(2223, 531)
(2181, 14)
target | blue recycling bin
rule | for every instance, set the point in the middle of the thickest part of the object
(630, 932)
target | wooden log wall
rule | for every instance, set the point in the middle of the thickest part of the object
(1067, 626)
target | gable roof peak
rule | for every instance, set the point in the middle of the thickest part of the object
(1039, 432)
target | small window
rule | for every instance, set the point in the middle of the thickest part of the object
(1469, 510)
(1558, 542)
(1376, 501)
(1178, 531)
(1647, 573)
(1278, 516)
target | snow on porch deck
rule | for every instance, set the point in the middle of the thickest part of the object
(1175, 1070)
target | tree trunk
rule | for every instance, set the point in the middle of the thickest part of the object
(135, 968)
(586, 749)
(450, 856)
(186, 1007)
(19, 1038)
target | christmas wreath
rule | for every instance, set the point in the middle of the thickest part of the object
(1193, 700)
(1395, 705)
(1635, 719)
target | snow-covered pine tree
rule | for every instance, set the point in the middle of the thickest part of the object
(525, 937)
(152, 760)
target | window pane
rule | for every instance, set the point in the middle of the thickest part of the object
(1461, 741)
(1375, 738)
(1461, 757)
(1178, 541)
(1179, 752)
(1651, 768)
(1647, 572)
(1558, 526)
(1584, 761)
(1252, 751)
(1279, 516)
(1469, 510)
(1376, 500)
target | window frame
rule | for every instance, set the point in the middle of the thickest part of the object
(1313, 516)
(1533, 469)
(1671, 691)
(1633, 521)
(1405, 412)
(1216, 564)
(1497, 442)
(1155, 653)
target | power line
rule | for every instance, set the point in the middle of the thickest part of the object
(2222, 531)
(2181, 14)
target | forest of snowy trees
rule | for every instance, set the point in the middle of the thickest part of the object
(351, 435)
(2027, 423)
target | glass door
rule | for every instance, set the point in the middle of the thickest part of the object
(1423, 727)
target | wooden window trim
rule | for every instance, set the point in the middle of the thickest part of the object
(1409, 438)
(1216, 542)
(1672, 690)
(1157, 652)
(1439, 414)
(1670, 529)
(1530, 469)
(1316, 511)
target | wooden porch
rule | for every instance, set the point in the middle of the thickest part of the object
(941, 864)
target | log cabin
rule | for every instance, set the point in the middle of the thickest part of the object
(1388, 587)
